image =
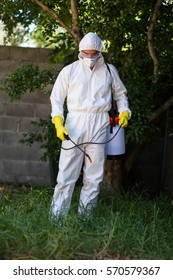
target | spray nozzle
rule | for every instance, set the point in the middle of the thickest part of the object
(88, 157)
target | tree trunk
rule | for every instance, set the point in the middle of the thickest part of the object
(113, 174)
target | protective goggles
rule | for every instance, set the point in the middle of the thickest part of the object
(95, 54)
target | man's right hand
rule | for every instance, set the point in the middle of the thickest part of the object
(60, 129)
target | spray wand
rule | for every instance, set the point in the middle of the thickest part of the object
(68, 138)
(77, 145)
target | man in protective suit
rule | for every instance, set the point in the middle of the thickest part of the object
(86, 84)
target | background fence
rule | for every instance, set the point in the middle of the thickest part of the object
(19, 163)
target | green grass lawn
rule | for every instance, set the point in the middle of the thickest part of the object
(126, 226)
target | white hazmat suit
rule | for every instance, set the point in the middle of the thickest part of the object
(88, 93)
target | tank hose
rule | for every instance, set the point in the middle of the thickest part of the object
(86, 143)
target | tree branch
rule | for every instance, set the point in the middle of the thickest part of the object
(75, 33)
(75, 20)
(151, 39)
(74, 13)
(168, 103)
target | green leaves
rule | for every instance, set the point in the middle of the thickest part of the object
(26, 78)
(45, 134)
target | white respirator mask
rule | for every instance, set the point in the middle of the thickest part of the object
(90, 62)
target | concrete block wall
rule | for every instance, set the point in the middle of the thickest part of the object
(20, 164)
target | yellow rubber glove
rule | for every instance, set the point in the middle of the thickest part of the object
(123, 118)
(60, 129)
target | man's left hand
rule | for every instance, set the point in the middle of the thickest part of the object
(123, 119)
